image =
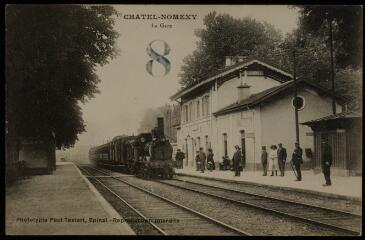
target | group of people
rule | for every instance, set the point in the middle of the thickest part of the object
(179, 157)
(272, 161)
(277, 156)
(203, 160)
(275, 160)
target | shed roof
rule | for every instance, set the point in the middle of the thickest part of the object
(338, 116)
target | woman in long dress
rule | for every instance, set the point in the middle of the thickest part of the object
(273, 163)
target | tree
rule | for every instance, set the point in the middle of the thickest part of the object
(51, 55)
(312, 56)
(347, 29)
(226, 36)
(349, 85)
(315, 62)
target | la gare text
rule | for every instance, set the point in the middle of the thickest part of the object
(161, 25)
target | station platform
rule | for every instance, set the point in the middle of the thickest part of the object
(342, 187)
(63, 203)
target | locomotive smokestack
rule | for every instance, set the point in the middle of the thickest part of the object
(160, 125)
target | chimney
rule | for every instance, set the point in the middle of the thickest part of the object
(160, 125)
(228, 61)
(232, 60)
(243, 89)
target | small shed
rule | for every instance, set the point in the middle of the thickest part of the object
(38, 154)
(344, 133)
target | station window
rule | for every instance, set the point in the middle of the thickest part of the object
(207, 143)
(190, 111)
(185, 114)
(205, 105)
(198, 109)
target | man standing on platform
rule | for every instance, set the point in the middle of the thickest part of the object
(281, 159)
(203, 158)
(326, 161)
(237, 161)
(210, 160)
(179, 157)
(297, 160)
(197, 161)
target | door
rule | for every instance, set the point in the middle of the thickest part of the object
(243, 148)
(193, 152)
(186, 153)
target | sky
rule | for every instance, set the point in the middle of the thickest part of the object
(127, 90)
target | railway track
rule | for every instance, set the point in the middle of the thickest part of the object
(311, 198)
(159, 209)
(344, 222)
(339, 222)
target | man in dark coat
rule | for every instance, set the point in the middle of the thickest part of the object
(281, 159)
(197, 161)
(179, 157)
(326, 162)
(297, 160)
(264, 160)
(237, 161)
(210, 160)
(203, 159)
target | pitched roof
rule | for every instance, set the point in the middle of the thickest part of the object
(268, 94)
(343, 115)
(226, 71)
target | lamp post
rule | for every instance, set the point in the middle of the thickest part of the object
(295, 98)
(297, 41)
(332, 65)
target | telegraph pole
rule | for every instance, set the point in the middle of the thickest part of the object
(332, 67)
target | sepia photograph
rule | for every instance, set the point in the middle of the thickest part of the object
(183, 120)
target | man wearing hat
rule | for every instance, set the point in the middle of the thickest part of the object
(326, 161)
(179, 157)
(203, 158)
(197, 161)
(237, 161)
(281, 159)
(297, 160)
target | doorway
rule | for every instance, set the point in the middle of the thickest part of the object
(243, 148)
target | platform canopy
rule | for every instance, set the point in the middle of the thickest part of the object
(335, 121)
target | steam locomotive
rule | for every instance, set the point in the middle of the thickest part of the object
(147, 155)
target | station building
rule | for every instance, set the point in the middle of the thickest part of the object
(249, 103)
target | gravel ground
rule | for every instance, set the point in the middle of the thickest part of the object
(152, 208)
(138, 227)
(334, 203)
(315, 214)
(256, 222)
